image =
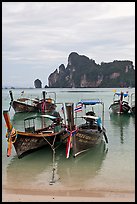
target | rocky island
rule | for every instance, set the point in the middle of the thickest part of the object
(84, 72)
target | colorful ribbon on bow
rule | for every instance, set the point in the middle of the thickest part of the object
(69, 141)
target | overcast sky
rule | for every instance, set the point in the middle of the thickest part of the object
(37, 37)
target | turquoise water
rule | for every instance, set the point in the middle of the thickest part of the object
(112, 169)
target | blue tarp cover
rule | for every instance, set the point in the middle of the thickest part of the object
(90, 102)
(124, 94)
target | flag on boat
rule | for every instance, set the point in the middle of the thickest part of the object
(22, 92)
(78, 107)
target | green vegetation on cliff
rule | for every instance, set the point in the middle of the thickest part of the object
(84, 72)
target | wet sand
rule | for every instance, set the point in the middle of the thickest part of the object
(67, 195)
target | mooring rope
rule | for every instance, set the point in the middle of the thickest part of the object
(53, 159)
(53, 167)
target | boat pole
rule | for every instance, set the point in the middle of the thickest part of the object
(70, 115)
(121, 99)
(9, 129)
(11, 96)
(102, 113)
(103, 129)
(43, 102)
(71, 126)
(7, 120)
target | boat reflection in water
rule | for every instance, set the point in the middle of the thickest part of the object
(35, 170)
(77, 171)
(25, 172)
(122, 122)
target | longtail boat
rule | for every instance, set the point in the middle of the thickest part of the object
(25, 104)
(88, 134)
(34, 138)
(120, 103)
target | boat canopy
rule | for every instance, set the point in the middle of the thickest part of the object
(90, 102)
(119, 93)
(38, 116)
(90, 117)
(49, 117)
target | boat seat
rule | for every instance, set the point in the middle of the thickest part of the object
(116, 101)
(84, 126)
(30, 129)
(88, 126)
(48, 131)
(125, 102)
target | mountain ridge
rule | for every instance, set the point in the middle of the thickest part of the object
(83, 72)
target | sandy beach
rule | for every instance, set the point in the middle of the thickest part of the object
(63, 195)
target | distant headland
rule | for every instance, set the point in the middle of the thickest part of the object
(82, 72)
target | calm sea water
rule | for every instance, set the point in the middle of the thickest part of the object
(112, 169)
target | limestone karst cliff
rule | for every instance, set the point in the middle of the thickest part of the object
(84, 72)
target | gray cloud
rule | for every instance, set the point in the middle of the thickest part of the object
(38, 36)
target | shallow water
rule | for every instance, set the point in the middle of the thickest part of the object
(98, 168)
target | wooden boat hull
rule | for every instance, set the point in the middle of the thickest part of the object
(133, 109)
(86, 135)
(115, 107)
(33, 105)
(22, 107)
(83, 140)
(49, 107)
(26, 143)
